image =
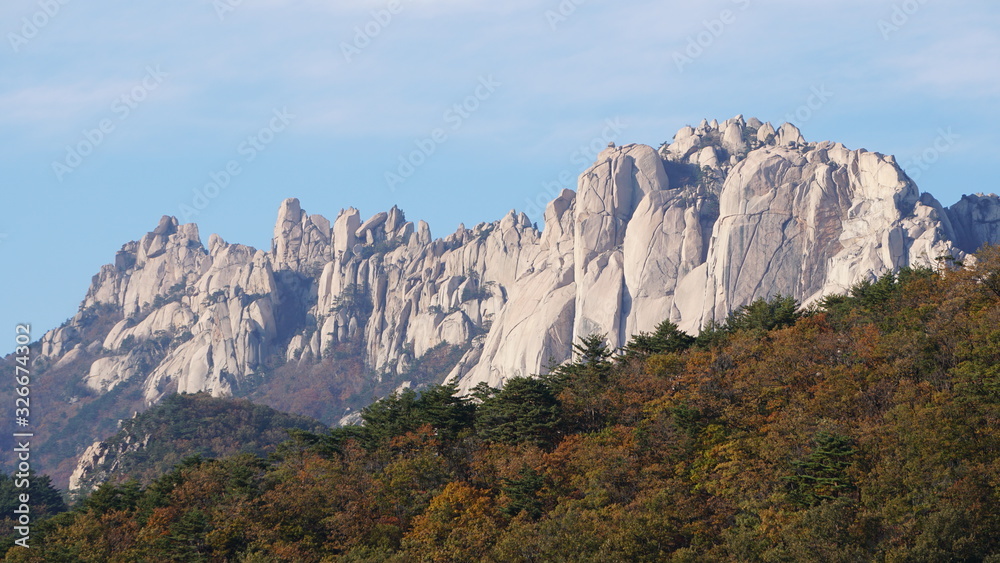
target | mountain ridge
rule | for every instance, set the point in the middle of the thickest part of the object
(724, 214)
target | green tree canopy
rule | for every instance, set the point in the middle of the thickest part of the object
(525, 410)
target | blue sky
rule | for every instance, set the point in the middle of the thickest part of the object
(113, 115)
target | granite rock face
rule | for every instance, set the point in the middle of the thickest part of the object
(976, 220)
(725, 214)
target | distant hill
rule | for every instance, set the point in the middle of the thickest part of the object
(182, 426)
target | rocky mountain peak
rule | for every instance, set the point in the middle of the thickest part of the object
(301, 241)
(726, 213)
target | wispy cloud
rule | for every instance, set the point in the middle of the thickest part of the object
(43, 103)
(961, 66)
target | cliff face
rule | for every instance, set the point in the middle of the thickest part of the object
(725, 214)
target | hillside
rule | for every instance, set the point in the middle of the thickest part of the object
(865, 428)
(180, 427)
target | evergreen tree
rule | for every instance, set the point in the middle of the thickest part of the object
(764, 314)
(666, 338)
(448, 413)
(524, 411)
(592, 362)
(45, 499)
(392, 416)
(109, 497)
(407, 411)
(822, 475)
(523, 493)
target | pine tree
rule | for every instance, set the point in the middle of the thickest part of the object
(822, 475)
(523, 493)
(764, 314)
(666, 338)
(524, 411)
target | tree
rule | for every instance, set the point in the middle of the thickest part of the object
(460, 524)
(406, 411)
(822, 475)
(987, 268)
(592, 363)
(109, 497)
(523, 491)
(187, 536)
(764, 314)
(593, 353)
(442, 409)
(392, 416)
(666, 338)
(44, 503)
(581, 386)
(525, 411)
(45, 499)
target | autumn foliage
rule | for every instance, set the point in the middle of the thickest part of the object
(864, 428)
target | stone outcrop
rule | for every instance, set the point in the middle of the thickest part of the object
(976, 220)
(97, 455)
(301, 241)
(726, 213)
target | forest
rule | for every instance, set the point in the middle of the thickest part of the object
(861, 428)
